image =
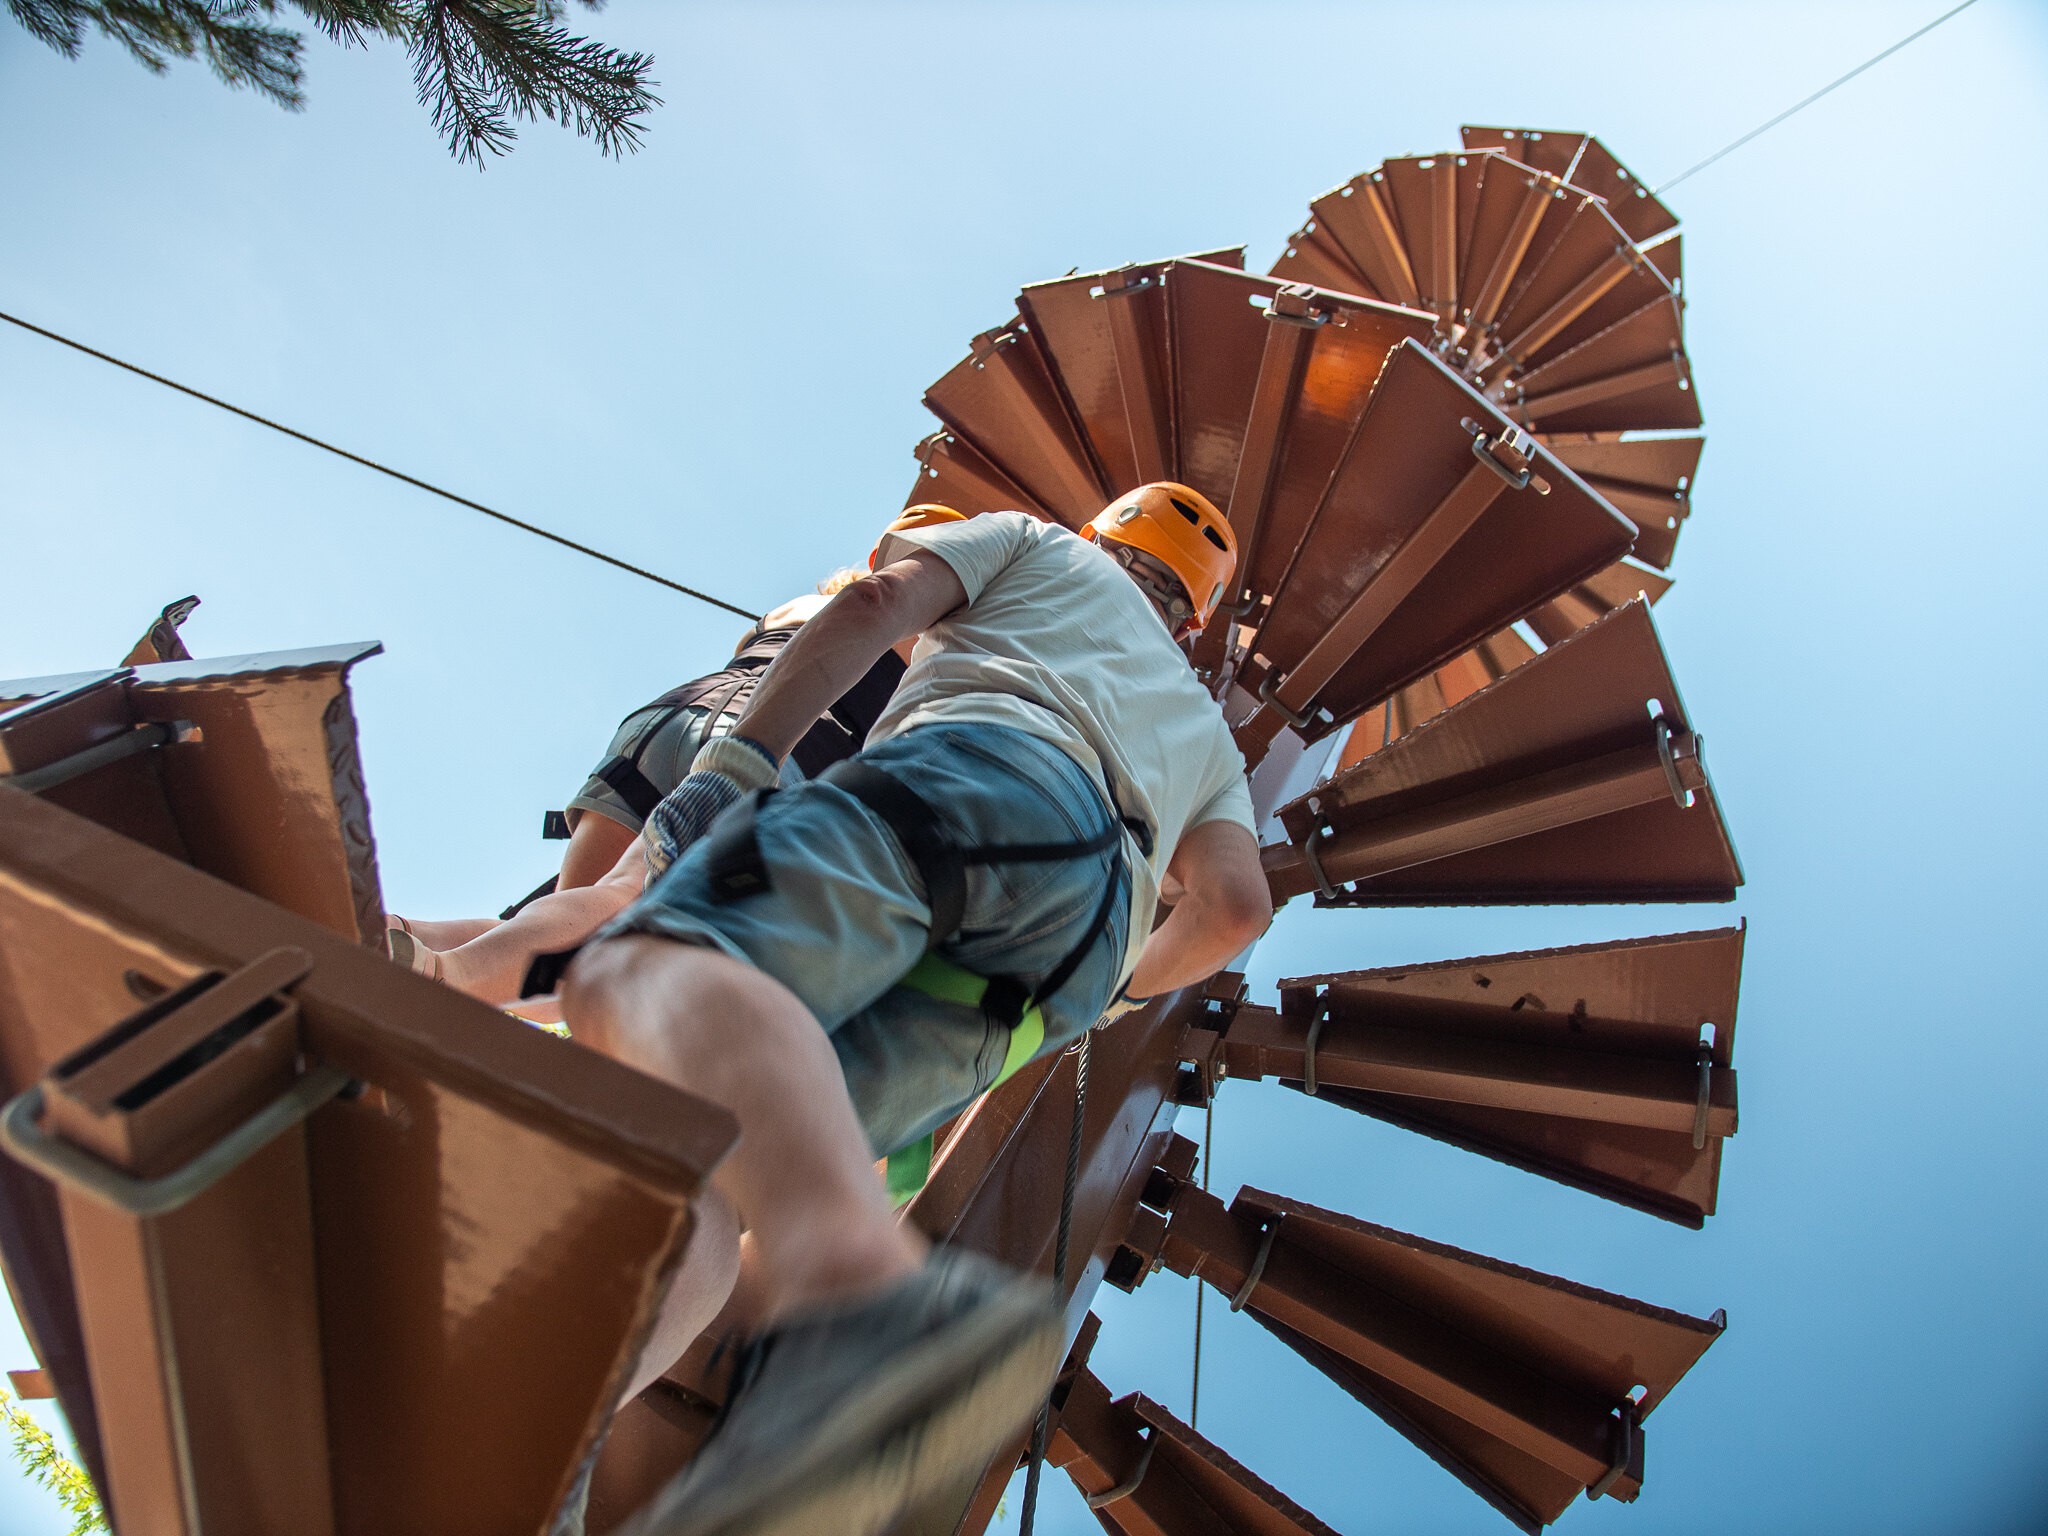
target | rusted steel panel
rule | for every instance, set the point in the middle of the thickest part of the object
(1587, 163)
(1632, 375)
(1555, 784)
(1530, 1387)
(1360, 222)
(1575, 1018)
(1648, 480)
(494, 1215)
(1589, 279)
(1168, 1479)
(1078, 334)
(181, 1304)
(268, 794)
(953, 474)
(1594, 598)
(1456, 552)
(1423, 191)
(1312, 256)
(1001, 399)
(1517, 215)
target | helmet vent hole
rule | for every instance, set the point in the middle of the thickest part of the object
(1185, 510)
(1215, 538)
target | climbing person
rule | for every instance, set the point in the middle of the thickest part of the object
(648, 756)
(844, 964)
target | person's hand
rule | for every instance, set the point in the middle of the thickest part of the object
(720, 776)
(1120, 1005)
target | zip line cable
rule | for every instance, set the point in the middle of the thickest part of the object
(356, 458)
(1878, 58)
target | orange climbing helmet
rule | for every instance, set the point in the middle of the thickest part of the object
(926, 514)
(1180, 528)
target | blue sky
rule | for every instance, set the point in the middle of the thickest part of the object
(709, 358)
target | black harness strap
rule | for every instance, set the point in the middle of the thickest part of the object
(941, 861)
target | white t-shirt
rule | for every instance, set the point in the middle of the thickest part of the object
(1058, 642)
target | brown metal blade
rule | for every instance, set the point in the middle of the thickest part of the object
(1586, 163)
(493, 1216)
(1528, 1384)
(951, 473)
(1001, 399)
(1399, 509)
(1543, 787)
(1170, 1480)
(1648, 480)
(1631, 376)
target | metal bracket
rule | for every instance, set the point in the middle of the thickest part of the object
(1267, 697)
(1290, 306)
(1123, 290)
(1482, 450)
(1129, 1485)
(67, 1164)
(141, 738)
(1624, 1449)
(1701, 1103)
(1258, 1269)
(1669, 759)
(1312, 849)
(1308, 1053)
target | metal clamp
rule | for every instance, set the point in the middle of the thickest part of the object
(1308, 1052)
(1271, 701)
(1258, 1269)
(67, 1164)
(1482, 450)
(1669, 759)
(138, 739)
(1624, 1449)
(1313, 850)
(1129, 1485)
(1123, 289)
(1701, 1104)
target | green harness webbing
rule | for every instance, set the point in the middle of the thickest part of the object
(945, 982)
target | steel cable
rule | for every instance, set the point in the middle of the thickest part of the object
(383, 469)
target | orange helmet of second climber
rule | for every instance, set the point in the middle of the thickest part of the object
(1180, 528)
(926, 514)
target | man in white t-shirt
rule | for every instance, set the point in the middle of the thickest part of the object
(863, 954)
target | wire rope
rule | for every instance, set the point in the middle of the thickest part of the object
(383, 469)
(1792, 111)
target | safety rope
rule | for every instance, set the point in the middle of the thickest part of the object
(1792, 111)
(1040, 1430)
(382, 469)
(1208, 1142)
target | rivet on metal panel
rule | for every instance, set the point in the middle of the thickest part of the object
(1253, 1275)
(1669, 758)
(1308, 1051)
(1129, 1485)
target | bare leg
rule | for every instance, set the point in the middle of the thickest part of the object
(594, 848)
(491, 967)
(446, 933)
(802, 1175)
(699, 1292)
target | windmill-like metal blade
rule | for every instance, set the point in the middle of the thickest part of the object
(953, 474)
(1648, 480)
(1587, 163)
(1608, 1067)
(1001, 399)
(422, 1297)
(1575, 778)
(1529, 1387)
(1145, 1473)
(1440, 526)
(1632, 374)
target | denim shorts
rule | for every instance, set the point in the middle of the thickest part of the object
(846, 916)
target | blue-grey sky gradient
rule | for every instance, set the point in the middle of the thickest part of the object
(708, 359)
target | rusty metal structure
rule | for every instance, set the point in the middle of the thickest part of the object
(306, 1242)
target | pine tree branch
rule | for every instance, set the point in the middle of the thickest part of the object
(480, 66)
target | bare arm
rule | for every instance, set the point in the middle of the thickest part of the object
(1224, 905)
(833, 651)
